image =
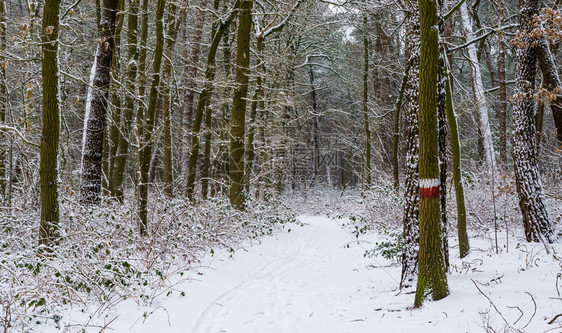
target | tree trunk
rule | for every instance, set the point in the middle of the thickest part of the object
(411, 192)
(190, 78)
(3, 99)
(203, 101)
(367, 180)
(502, 111)
(145, 151)
(48, 168)
(396, 128)
(432, 278)
(551, 81)
(478, 90)
(527, 178)
(238, 120)
(173, 25)
(112, 132)
(96, 108)
(117, 175)
(464, 247)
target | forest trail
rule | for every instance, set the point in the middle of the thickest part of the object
(315, 279)
(311, 279)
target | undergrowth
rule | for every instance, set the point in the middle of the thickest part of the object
(101, 259)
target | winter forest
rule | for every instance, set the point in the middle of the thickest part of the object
(280, 166)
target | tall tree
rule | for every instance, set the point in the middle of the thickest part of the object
(411, 191)
(117, 176)
(204, 98)
(432, 278)
(48, 165)
(145, 151)
(478, 89)
(238, 121)
(365, 103)
(96, 107)
(551, 82)
(3, 97)
(527, 178)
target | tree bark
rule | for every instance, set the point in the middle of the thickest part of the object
(366, 128)
(527, 178)
(117, 175)
(478, 89)
(96, 108)
(3, 98)
(551, 81)
(173, 24)
(432, 278)
(464, 246)
(204, 99)
(190, 78)
(48, 165)
(396, 128)
(145, 151)
(411, 192)
(238, 120)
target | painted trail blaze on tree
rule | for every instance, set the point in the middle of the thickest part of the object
(432, 278)
(429, 188)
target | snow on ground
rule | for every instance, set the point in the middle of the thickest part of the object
(316, 279)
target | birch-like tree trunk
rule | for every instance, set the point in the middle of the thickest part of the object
(96, 108)
(478, 89)
(527, 178)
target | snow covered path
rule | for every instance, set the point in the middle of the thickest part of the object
(306, 280)
(315, 279)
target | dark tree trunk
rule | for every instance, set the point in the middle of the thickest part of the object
(96, 108)
(527, 178)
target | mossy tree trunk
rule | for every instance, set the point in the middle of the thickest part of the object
(432, 278)
(96, 108)
(111, 139)
(145, 151)
(48, 168)
(464, 246)
(203, 102)
(120, 162)
(174, 21)
(238, 120)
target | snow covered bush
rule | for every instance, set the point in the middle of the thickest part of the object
(102, 260)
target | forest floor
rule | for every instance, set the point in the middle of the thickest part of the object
(316, 278)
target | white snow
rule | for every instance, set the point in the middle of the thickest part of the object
(316, 279)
